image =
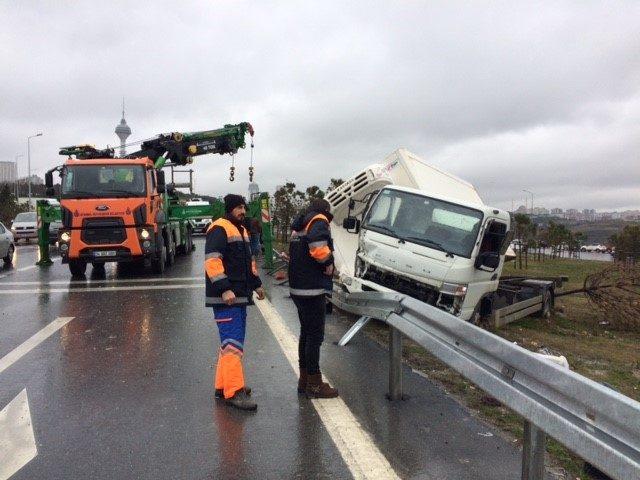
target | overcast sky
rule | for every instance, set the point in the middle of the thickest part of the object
(543, 96)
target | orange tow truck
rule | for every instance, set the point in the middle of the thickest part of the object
(120, 210)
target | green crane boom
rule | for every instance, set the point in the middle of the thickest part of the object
(176, 147)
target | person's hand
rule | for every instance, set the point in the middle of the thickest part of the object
(329, 270)
(229, 297)
(260, 293)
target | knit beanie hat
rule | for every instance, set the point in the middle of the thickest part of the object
(232, 201)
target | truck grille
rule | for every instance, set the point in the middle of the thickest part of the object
(103, 231)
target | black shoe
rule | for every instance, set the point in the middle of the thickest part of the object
(241, 401)
(220, 392)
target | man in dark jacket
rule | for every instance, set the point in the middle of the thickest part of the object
(310, 272)
(231, 276)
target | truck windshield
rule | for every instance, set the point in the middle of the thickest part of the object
(425, 221)
(99, 181)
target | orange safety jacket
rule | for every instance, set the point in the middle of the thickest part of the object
(228, 263)
(310, 252)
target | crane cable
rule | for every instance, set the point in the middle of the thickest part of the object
(251, 164)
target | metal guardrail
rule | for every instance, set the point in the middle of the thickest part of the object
(595, 422)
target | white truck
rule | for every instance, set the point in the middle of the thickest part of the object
(409, 227)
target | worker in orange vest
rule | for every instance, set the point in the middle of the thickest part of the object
(231, 278)
(310, 279)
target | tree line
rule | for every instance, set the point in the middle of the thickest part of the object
(288, 201)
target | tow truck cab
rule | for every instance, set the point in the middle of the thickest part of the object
(112, 210)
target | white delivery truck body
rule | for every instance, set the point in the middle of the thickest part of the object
(407, 226)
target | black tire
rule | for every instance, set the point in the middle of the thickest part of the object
(77, 267)
(547, 304)
(8, 259)
(189, 242)
(171, 251)
(158, 262)
(98, 266)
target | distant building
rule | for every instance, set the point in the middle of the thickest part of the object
(522, 209)
(540, 211)
(35, 180)
(254, 190)
(8, 172)
(557, 211)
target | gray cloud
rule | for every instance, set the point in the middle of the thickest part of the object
(508, 96)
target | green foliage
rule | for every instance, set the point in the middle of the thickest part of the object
(9, 207)
(334, 183)
(627, 243)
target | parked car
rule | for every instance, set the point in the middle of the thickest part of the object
(200, 225)
(53, 232)
(24, 226)
(7, 246)
(594, 248)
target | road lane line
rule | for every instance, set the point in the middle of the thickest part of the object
(42, 291)
(23, 269)
(357, 448)
(17, 441)
(107, 281)
(17, 353)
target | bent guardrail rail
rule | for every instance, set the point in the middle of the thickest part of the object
(595, 422)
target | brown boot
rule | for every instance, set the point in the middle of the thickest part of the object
(241, 401)
(220, 392)
(316, 388)
(302, 381)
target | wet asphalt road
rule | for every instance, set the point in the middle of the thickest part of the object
(124, 390)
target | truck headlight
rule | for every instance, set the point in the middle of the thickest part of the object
(455, 289)
(144, 234)
(65, 237)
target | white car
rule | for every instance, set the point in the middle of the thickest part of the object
(200, 225)
(7, 247)
(594, 248)
(25, 225)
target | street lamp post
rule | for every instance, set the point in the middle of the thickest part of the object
(531, 193)
(18, 155)
(29, 162)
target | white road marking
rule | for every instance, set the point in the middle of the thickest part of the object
(23, 269)
(17, 353)
(106, 289)
(360, 453)
(106, 281)
(17, 442)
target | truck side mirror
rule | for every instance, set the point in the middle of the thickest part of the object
(488, 261)
(351, 224)
(161, 185)
(48, 182)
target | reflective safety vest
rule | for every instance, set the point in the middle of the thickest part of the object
(310, 252)
(228, 264)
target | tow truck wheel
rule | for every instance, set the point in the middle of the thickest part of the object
(189, 242)
(171, 251)
(77, 267)
(157, 264)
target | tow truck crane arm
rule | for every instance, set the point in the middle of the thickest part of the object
(176, 147)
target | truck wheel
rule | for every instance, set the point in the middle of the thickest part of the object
(189, 242)
(9, 257)
(171, 251)
(547, 304)
(158, 262)
(77, 267)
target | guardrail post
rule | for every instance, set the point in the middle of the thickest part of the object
(395, 364)
(533, 449)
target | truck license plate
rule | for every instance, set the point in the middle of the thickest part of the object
(105, 253)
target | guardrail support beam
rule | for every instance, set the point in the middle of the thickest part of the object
(533, 449)
(395, 364)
